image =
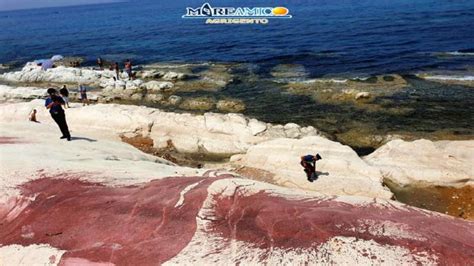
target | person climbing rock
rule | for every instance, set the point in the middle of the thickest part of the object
(53, 103)
(309, 164)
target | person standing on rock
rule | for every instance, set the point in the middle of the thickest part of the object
(83, 92)
(117, 70)
(100, 63)
(128, 69)
(53, 103)
(65, 94)
(309, 164)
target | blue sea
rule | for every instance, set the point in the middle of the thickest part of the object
(333, 37)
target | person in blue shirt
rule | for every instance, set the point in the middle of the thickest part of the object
(309, 164)
(54, 103)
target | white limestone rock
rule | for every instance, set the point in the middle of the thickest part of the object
(158, 85)
(173, 76)
(363, 95)
(341, 171)
(437, 162)
(61, 74)
(223, 134)
(21, 93)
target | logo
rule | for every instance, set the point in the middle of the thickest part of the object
(237, 15)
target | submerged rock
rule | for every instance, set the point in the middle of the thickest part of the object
(199, 104)
(231, 106)
(173, 76)
(155, 98)
(155, 86)
(175, 100)
(339, 91)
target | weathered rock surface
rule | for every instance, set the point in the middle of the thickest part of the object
(61, 74)
(231, 106)
(89, 151)
(224, 134)
(337, 91)
(65, 215)
(9, 93)
(436, 162)
(341, 171)
(200, 104)
(21, 93)
(158, 85)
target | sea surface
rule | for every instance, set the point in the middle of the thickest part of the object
(323, 39)
(327, 37)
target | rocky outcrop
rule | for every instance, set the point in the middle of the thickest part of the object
(89, 150)
(159, 82)
(100, 201)
(360, 92)
(21, 93)
(200, 104)
(231, 106)
(222, 134)
(34, 74)
(341, 171)
(425, 161)
(9, 93)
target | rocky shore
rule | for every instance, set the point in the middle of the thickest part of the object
(96, 190)
(156, 84)
(362, 112)
(207, 170)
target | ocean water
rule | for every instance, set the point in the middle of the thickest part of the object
(328, 37)
(325, 38)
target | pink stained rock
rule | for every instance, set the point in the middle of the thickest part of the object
(9, 140)
(151, 223)
(134, 225)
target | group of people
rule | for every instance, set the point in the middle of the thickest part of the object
(116, 67)
(55, 103)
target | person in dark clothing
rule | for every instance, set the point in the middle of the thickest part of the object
(100, 63)
(116, 67)
(83, 92)
(309, 164)
(53, 103)
(128, 69)
(65, 94)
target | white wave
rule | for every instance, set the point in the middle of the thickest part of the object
(326, 80)
(457, 53)
(445, 77)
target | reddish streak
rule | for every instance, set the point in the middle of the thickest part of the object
(134, 225)
(139, 225)
(267, 221)
(9, 140)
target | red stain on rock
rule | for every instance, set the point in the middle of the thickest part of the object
(9, 140)
(147, 224)
(134, 225)
(266, 221)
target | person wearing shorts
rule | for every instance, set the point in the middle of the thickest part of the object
(83, 92)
